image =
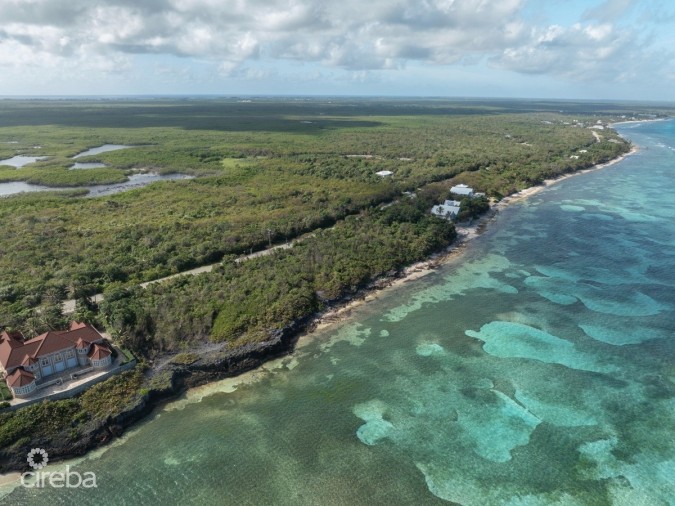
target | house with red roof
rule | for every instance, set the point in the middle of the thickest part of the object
(25, 363)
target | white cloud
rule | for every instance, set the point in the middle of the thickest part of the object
(580, 52)
(609, 10)
(349, 34)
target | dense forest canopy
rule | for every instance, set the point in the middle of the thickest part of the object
(266, 170)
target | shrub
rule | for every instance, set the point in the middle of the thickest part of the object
(185, 359)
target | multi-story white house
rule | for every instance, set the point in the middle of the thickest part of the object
(24, 363)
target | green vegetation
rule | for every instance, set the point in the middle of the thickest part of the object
(58, 177)
(111, 396)
(44, 418)
(266, 172)
(128, 356)
(472, 208)
(161, 381)
(185, 359)
(5, 393)
(48, 419)
(245, 302)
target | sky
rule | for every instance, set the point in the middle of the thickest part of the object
(575, 49)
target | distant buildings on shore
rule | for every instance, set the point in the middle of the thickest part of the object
(462, 189)
(450, 208)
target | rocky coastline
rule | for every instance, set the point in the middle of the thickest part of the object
(210, 366)
(220, 363)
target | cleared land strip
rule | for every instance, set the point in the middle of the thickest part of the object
(69, 305)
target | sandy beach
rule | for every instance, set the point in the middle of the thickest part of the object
(636, 121)
(9, 479)
(465, 234)
(532, 190)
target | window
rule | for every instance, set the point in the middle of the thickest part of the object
(44, 361)
(58, 357)
(101, 363)
(70, 354)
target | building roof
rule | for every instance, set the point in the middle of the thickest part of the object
(444, 211)
(384, 173)
(99, 352)
(87, 333)
(461, 189)
(50, 342)
(20, 378)
(14, 352)
(29, 360)
(11, 335)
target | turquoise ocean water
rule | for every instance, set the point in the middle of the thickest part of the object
(538, 368)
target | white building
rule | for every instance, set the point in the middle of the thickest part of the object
(449, 209)
(462, 189)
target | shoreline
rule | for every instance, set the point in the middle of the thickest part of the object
(69, 305)
(465, 234)
(296, 336)
(533, 190)
(637, 121)
(418, 270)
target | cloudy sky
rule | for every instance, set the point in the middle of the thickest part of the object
(613, 49)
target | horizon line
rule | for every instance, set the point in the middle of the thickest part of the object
(318, 96)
